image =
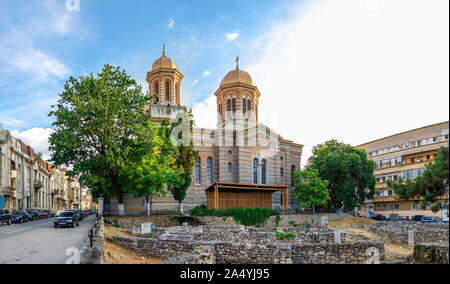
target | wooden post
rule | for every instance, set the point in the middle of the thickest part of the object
(216, 196)
(286, 199)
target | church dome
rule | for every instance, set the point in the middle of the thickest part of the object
(164, 63)
(237, 76)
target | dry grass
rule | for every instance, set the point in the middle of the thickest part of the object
(116, 254)
(353, 227)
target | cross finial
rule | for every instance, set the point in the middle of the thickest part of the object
(164, 49)
(237, 62)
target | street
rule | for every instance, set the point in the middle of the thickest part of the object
(39, 243)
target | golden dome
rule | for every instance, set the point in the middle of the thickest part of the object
(237, 76)
(164, 63)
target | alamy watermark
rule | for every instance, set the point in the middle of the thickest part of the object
(74, 256)
(73, 5)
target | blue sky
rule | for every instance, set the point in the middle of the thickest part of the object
(352, 70)
(42, 44)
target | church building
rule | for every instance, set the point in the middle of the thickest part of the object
(241, 163)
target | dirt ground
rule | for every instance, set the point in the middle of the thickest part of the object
(352, 226)
(116, 254)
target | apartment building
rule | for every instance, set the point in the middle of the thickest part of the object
(404, 155)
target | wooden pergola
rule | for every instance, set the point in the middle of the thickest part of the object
(224, 196)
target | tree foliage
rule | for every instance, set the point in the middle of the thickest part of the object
(97, 119)
(310, 190)
(431, 186)
(349, 172)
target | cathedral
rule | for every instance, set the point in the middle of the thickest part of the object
(241, 163)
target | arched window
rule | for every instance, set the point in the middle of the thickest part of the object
(198, 171)
(249, 105)
(156, 90)
(177, 94)
(264, 172)
(168, 91)
(209, 165)
(255, 171)
(234, 105)
(244, 109)
(229, 105)
(230, 167)
(293, 169)
(282, 172)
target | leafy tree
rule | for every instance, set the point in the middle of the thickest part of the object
(349, 172)
(310, 190)
(97, 119)
(431, 187)
(151, 164)
(185, 157)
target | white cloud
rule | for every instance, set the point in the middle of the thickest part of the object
(351, 70)
(11, 122)
(206, 73)
(37, 138)
(205, 114)
(232, 36)
(195, 82)
(171, 23)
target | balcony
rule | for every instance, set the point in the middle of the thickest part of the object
(166, 111)
(9, 191)
(38, 185)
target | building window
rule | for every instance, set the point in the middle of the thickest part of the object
(156, 88)
(167, 91)
(230, 167)
(244, 109)
(282, 172)
(249, 105)
(177, 94)
(229, 105)
(264, 172)
(198, 171)
(234, 105)
(209, 165)
(293, 169)
(255, 171)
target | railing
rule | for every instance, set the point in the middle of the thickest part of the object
(9, 191)
(38, 184)
(163, 111)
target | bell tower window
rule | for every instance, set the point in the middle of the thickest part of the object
(168, 91)
(244, 109)
(229, 105)
(177, 94)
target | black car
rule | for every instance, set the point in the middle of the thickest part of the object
(78, 212)
(20, 217)
(67, 219)
(34, 215)
(377, 217)
(5, 217)
(417, 218)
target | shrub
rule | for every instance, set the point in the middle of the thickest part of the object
(245, 216)
(284, 236)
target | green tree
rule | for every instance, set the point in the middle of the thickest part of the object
(349, 172)
(185, 157)
(151, 164)
(431, 186)
(96, 120)
(310, 190)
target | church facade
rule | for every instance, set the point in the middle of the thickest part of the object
(241, 163)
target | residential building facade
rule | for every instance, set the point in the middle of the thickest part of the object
(403, 156)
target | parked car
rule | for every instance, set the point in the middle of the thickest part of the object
(417, 218)
(5, 217)
(34, 215)
(377, 217)
(52, 213)
(429, 219)
(66, 219)
(20, 217)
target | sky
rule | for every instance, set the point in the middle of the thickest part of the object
(352, 70)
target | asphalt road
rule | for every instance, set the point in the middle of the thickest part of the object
(39, 243)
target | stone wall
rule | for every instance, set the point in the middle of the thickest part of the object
(398, 232)
(431, 253)
(96, 253)
(183, 251)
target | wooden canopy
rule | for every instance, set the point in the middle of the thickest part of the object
(224, 196)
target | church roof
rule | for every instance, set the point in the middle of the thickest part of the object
(237, 76)
(164, 62)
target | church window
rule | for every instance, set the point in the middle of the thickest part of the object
(168, 91)
(177, 94)
(244, 109)
(156, 90)
(255, 171)
(234, 105)
(282, 172)
(210, 170)
(264, 172)
(229, 105)
(198, 171)
(230, 167)
(249, 105)
(293, 169)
